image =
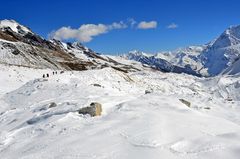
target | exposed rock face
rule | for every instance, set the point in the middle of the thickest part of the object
(187, 103)
(11, 47)
(95, 109)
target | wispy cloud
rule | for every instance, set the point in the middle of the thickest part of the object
(147, 25)
(85, 32)
(132, 22)
(172, 26)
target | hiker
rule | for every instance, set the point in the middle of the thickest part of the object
(53, 73)
(47, 75)
(56, 72)
(43, 76)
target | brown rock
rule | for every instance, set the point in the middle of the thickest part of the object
(95, 109)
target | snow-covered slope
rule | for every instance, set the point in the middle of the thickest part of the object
(133, 124)
(233, 69)
(146, 113)
(222, 53)
(229, 37)
(206, 60)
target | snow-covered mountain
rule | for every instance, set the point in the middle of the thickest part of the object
(176, 62)
(19, 46)
(206, 60)
(233, 69)
(145, 113)
(14, 26)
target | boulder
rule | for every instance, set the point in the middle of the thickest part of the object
(148, 91)
(95, 109)
(51, 105)
(208, 108)
(96, 85)
(187, 103)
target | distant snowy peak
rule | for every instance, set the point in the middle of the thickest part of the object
(139, 53)
(78, 45)
(14, 26)
(229, 37)
(182, 60)
(69, 47)
(207, 60)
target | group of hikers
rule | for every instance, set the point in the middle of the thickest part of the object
(53, 73)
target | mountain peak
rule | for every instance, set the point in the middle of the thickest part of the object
(139, 53)
(229, 37)
(14, 26)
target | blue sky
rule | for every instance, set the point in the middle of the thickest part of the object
(197, 21)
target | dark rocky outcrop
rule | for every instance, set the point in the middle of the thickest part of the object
(187, 103)
(11, 47)
(148, 91)
(52, 105)
(96, 85)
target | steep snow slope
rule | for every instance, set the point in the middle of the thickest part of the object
(229, 37)
(223, 51)
(233, 69)
(133, 124)
(216, 61)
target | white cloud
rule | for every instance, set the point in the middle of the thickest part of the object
(85, 32)
(120, 25)
(147, 25)
(172, 26)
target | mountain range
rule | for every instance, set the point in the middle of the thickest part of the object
(22, 47)
(219, 56)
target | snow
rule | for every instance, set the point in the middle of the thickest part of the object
(133, 124)
(229, 38)
(143, 113)
(233, 69)
(14, 26)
